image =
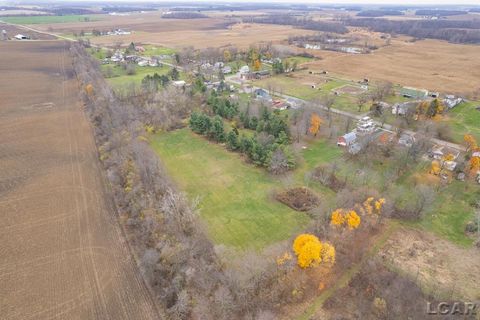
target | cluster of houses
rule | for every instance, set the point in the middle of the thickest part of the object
(290, 103)
(141, 61)
(217, 66)
(419, 95)
(118, 32)
(245, 73)
(365, 132)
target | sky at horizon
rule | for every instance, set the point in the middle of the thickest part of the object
(329, 2)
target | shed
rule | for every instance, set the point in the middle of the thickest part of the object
(179, 84)
(409, 92)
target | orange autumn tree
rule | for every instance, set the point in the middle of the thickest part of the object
(315, 122)
(257, 65)
(310, 251)
(470, 141)
(474, 165)
(89, 90)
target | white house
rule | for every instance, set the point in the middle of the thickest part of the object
(365, 126)
(227, 69)
(244, 70)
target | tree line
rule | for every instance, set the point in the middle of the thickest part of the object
(457, 31)
(267, 147)
(184, 15)
(303, 23)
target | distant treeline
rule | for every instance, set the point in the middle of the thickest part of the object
(457, 31)
(303, 23)
(184, 15)
(379, 13)
(126, 9)
(444, 13)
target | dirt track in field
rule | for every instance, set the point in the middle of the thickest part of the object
(63, 254)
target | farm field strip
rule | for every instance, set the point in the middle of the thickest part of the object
(63, 253)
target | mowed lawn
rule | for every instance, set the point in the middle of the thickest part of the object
(118, 77)
(235, 198)
(451, 212)
(465, 119)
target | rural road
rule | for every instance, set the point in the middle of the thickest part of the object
(386, 127)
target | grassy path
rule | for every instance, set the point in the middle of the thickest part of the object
(348, 274)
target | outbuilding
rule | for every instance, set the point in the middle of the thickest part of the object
(21, 37)
(347, 139)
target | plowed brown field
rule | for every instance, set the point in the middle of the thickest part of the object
(63, 254)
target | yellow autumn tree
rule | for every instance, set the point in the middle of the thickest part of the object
(315, 122)
(379, 205)
(328, 253)
(311, 251)
(436, 168)
(367, 205)
(309, 254)
(301, 240)
(448, 157)
(227, 56)
(353, 220)
(337, 218)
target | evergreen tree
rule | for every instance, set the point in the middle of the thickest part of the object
(232, 140)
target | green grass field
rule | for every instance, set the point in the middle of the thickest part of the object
(451, 211)
(151, 50)
(299, 60)
(292, 87)
(464, 119)
(51, 19)
(236, 201)
(119, 78)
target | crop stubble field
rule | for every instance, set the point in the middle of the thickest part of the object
(430, 64)
(63, 253)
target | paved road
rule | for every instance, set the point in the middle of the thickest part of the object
(385, 126)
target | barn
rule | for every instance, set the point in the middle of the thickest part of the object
(347, 139)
